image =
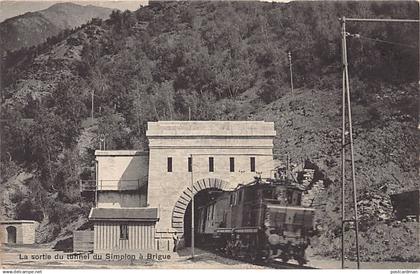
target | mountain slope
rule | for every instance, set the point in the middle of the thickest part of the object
(33, 28)
(9, 9)
(385, 162)
(69, 15)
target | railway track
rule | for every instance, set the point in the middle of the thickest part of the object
(281, 265)
(271, 264)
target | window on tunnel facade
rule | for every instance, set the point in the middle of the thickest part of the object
(169, 164)
(232, 164)
(189, 164)
(211, 164)
(252, 163)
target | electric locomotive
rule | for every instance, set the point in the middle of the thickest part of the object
(261, 220)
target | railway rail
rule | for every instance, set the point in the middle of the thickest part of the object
(281, 265)
(275, 264)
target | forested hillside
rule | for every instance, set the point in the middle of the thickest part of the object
(225, 61)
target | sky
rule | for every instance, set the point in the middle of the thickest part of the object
(13, 8)
(17, 7)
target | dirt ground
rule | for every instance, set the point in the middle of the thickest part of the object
(14, 257)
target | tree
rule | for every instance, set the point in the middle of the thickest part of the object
(113, 128)
(161, 98)
(45, 142)
(68, 105)
(13, 135)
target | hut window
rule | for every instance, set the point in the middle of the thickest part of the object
(123, 232)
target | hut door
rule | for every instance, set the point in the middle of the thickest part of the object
(11, 234)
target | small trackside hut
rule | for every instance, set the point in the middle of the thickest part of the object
(124, 229)
(121, 219)
(17, 231)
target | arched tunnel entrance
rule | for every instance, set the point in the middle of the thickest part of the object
(204, 190)
(201, 199)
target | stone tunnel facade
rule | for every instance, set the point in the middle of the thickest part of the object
(189, 156)
(152, 190)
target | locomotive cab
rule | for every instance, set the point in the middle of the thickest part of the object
(284, 194)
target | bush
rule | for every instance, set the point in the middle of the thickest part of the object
(26, 210)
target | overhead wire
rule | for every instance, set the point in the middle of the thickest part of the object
(358, 36)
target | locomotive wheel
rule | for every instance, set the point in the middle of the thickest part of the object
(284, 258)
(235, 252)
(301, 258)
(228, 251)
(255, 256)
(301, 261)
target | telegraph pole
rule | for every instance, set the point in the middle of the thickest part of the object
(289, 55)
(192, 208)
(93, 94)
(343, 143)
(348, 130)
(346, 103)
(192, 198)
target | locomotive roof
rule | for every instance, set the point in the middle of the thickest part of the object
(273, 182)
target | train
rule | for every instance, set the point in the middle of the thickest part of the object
(262, 220)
